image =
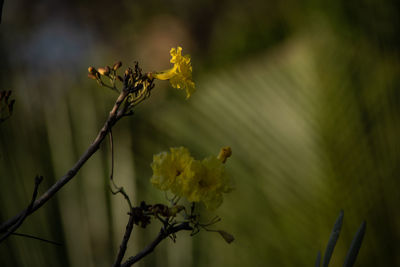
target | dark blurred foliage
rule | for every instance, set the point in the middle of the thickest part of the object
(305, 92)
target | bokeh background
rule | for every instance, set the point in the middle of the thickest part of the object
(307, 94)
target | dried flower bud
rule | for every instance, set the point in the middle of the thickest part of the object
(120, 78)
(104, 71)
(227, 236)
(117, 65)
(225, 153)
(92, 70)
(128, 71)
(150, 75)
(92, 76)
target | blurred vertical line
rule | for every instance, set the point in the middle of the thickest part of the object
(70, 199)
(82, 114)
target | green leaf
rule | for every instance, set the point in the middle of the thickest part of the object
(318, 259)
(355, 246)
(333, 239)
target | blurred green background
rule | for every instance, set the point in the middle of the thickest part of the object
(305, 92)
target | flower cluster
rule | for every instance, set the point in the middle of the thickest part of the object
(198, 181)
(180, 75)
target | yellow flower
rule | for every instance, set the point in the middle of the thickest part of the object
(209, 182)
(180, 75)
(198, 181)
(170, 169)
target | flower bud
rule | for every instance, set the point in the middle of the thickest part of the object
(128, 71)
(92, 70)
(92, 76)
(226, 236)
(120, 78)
(225, 153)
(150, 75)
(104, 71)
(117, 65)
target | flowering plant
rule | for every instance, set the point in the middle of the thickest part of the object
(199, 181)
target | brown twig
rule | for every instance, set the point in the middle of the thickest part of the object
(124, 243)
(26, 212)
(38, 238)
(129, 226)
(115, 114)
(118, 189)
(164, 233)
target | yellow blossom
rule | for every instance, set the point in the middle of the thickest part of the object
(180, 75)
(210, 182)
(198, 181)
(170, 169)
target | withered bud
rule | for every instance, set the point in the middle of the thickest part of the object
(92, 70)
(226, 236)
(104, 71)
(120, 78)
(128, 71)
(117, 65)
(225, 153)
(92, 76)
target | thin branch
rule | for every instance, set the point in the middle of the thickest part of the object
(129, 226)
(124, 243)
(115, 114)
(164, 233)
(38, 238)
(118, 189)
(121, 191)
(112, 154)
(38, 180)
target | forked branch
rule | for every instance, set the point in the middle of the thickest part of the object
(164, 233)
(117, 112)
